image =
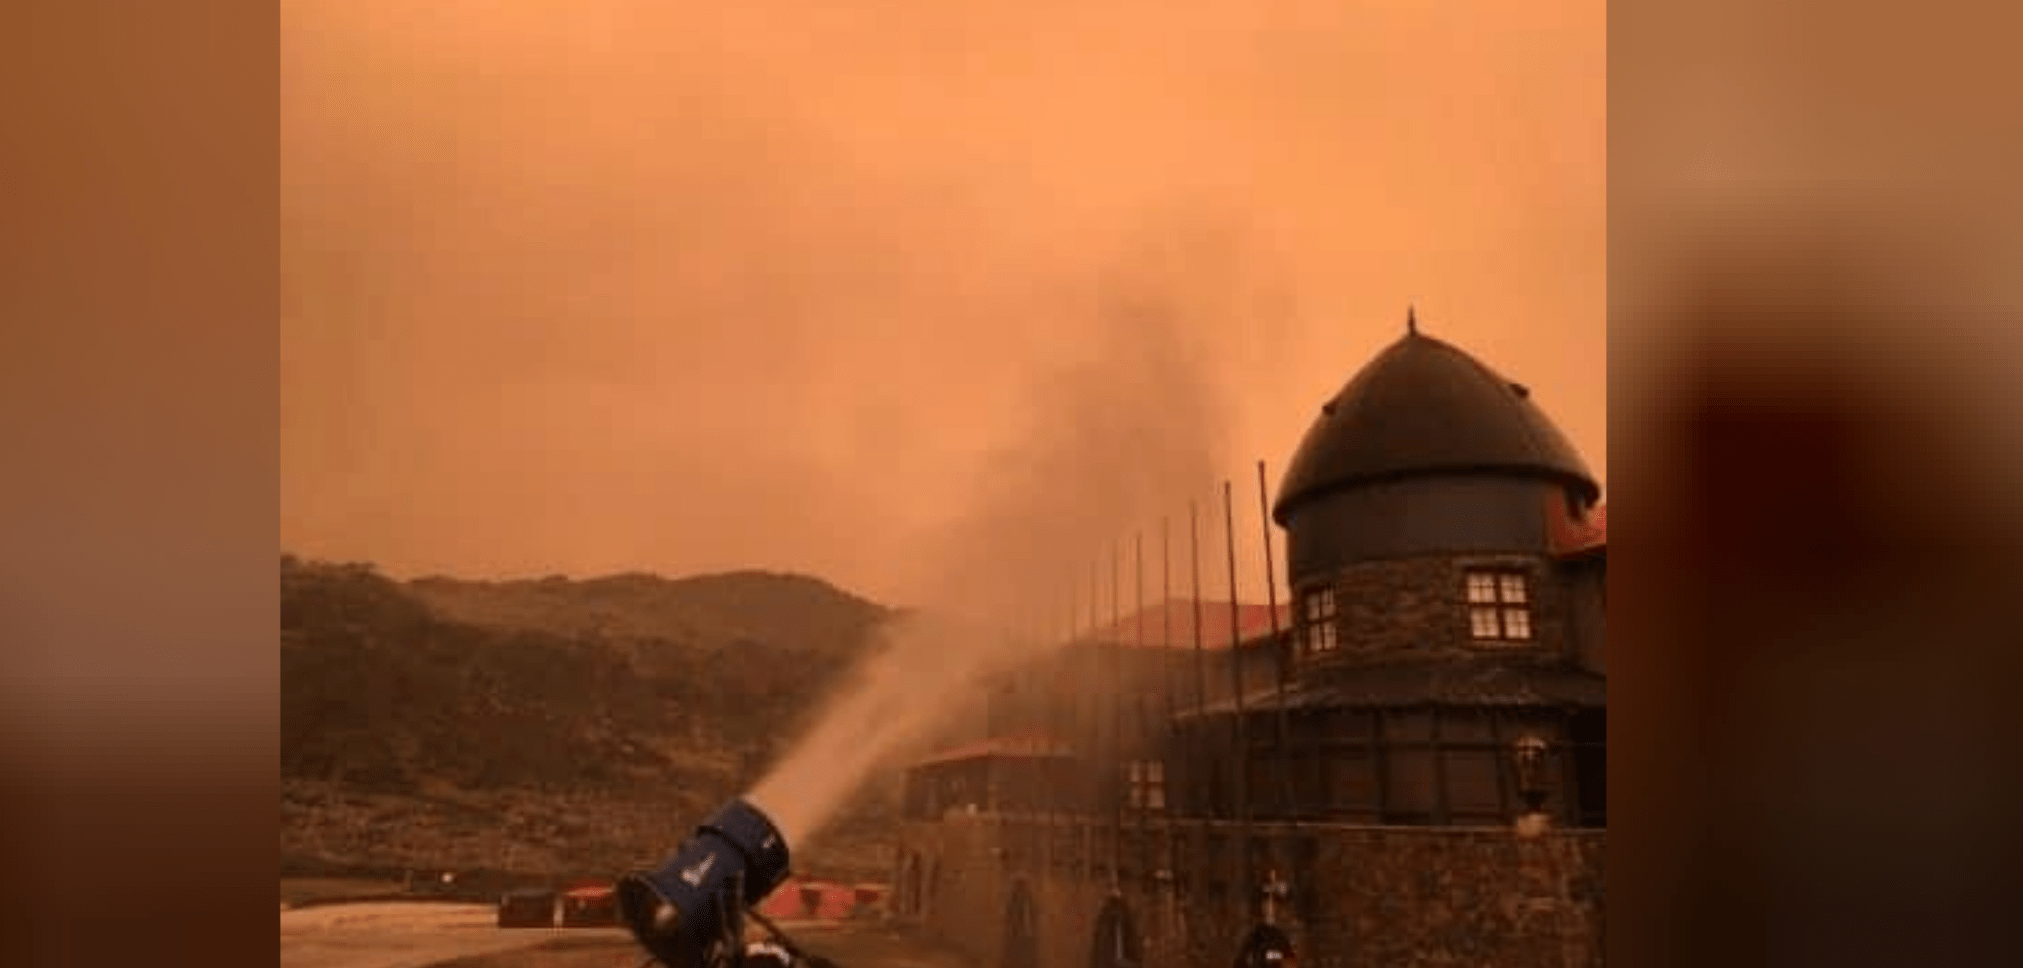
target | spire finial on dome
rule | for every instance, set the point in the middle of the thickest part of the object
(1411, 319)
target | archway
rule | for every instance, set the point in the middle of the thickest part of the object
(1266, 947)
(916, 900)
(906, 893)
(1116, 944)
(1021, 929)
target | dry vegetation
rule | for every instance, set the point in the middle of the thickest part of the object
(298, 890)
(548, 728)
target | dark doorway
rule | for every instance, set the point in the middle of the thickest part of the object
(909, 886)
(1590, 734)
(1116, 943)
(1265, 947)
(1021, 929)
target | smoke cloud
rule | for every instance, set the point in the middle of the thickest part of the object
(613, 285)
(1129, 432)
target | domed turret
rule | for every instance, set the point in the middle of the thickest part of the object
(1425, 450)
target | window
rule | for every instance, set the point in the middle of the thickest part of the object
(1474, 786)
(1410, 788)
(1499, 606)
(1305, 769)
(1350, 780)
(1319, 619)
(1410, 796)
(1349, 724)
(1148, 784)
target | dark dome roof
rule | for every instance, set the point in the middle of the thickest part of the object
(1424, 406)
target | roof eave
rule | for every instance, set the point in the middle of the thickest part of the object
(1292, 500)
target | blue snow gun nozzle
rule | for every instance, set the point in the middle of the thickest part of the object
(688, 913)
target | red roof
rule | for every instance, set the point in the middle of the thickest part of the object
(833, 902)
(1572, 538)
(837, 902)
(1027, 746)
(1176, 617)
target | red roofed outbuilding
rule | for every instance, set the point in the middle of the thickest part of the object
(1017, 773)
(800, 900)
(590, 905)
(1172, 625)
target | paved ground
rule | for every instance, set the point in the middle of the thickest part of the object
(405, 934)
(434, 935)
(849, 945)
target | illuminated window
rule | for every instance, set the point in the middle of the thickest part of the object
(1319, 619)
(1148, 784)
(1499, 606)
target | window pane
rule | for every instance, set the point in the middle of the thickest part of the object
(1262, 773)
(1482, 622)
(1350, 784)
(1408, 782)
(1156, 798)
(1156, 771)
(1481, 587)
(1327, 641)
(1307, 788)
(1516, 623)
(1512, 587)
(1327, 600)
(1471, 785)
(1553, 774)
(1352, 724)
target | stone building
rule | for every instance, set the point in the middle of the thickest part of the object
(1110, 696)
(1405, 767)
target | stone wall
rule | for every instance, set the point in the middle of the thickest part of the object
(1355, 897)
(1587, 610)
(1420, 605)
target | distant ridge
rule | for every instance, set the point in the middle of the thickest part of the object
(573, 724)
(788, 611)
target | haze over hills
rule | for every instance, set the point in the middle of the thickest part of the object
(548, 726)
(774, 611)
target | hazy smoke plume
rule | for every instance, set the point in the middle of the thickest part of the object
(685, 286)
(1111, 442)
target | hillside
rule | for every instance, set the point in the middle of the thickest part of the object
(550, 726)
(782, 612)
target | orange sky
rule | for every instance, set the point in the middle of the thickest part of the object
(605, 285)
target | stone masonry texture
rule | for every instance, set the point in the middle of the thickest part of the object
(1420, 604)
(1356, 897)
